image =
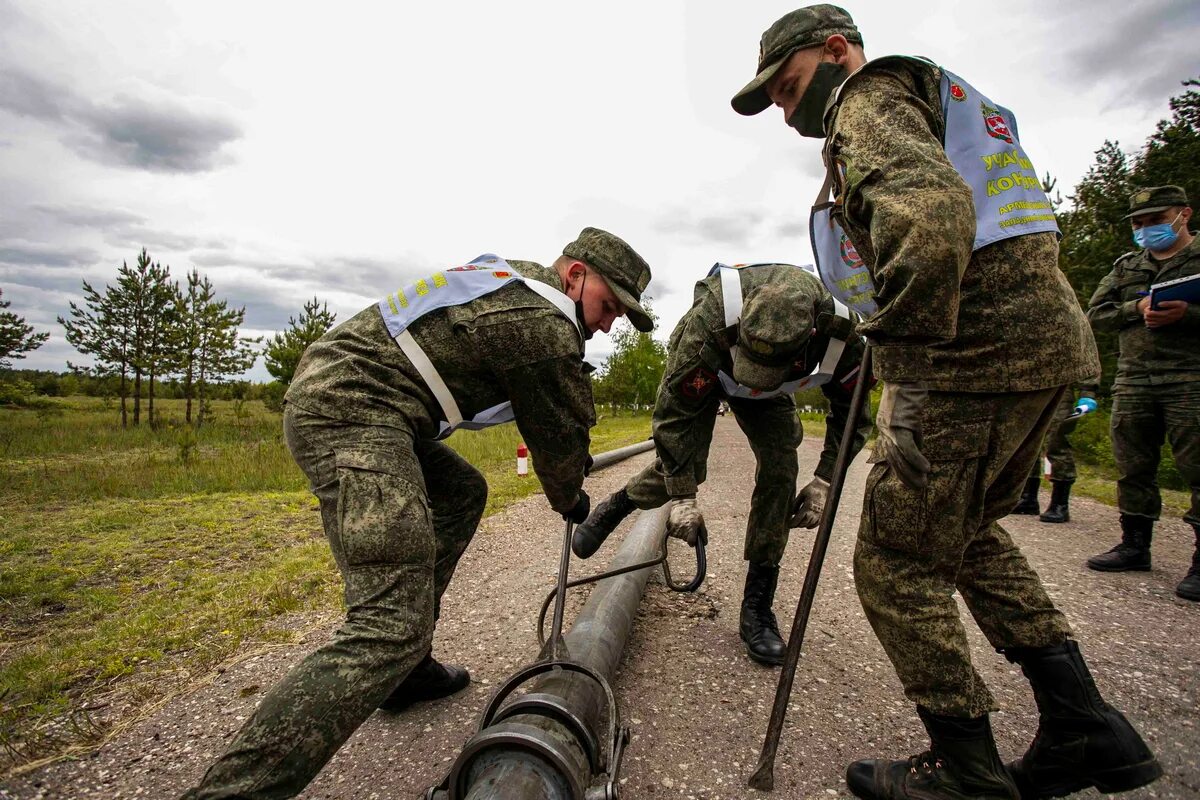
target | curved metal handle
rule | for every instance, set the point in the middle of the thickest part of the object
(701, 569)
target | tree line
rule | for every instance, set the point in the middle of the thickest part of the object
(144, 329)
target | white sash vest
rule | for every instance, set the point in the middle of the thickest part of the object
(731, 302)
(453, 287)
(981, 143)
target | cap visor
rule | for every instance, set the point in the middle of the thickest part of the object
(633, 309)
(753, 98)
(757, 376)
(1142, 211)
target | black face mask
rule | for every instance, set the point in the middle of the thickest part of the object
(583, 326)
(809, 117)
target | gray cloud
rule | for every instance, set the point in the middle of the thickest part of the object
(159, 136)
(1138, 50)
(156, 137)
(29, 95)
(727, 228)
(87, 217)
(39, 254)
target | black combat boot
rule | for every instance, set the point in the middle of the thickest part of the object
(1028, 504)
(429, 680)
(1060, 498)
(1133, 553)
(603, 520)
(961, 762)
(760, 629)
(1081, 740)
(1189, 587)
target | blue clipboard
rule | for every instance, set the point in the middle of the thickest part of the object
(1186, 289)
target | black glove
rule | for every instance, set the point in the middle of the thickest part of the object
(587, 466)
(579, 512)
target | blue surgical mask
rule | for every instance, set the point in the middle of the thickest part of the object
(1157, 237)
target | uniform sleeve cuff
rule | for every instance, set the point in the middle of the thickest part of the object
(824, 469)
(679, 485)
(900, 363)
(1130, 310)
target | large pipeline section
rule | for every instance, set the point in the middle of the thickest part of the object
(559, 740)
(620, 454)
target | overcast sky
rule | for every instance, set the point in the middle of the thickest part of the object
(342, 149)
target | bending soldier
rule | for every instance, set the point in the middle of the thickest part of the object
(1156, 394)
(471, 346)
(753, 336)
(940, 233)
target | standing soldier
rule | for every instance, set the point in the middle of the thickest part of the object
(1157, 391)
(939, 229)
(1061, 457)
(470, 346)
(754, 335)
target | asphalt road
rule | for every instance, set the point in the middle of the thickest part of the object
(697, 705)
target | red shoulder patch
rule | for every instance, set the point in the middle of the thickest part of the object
(697, 383)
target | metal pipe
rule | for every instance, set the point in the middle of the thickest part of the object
(620, 454)
(549, 744)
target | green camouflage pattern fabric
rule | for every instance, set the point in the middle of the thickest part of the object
(916, 548)
(686, 410)
(1149, 357)
(398, 511)
(1156, 198)
(1058, 448)
(953, 319)
(509, 345)
(1142, 418)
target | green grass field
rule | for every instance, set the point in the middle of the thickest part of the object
(134, 561)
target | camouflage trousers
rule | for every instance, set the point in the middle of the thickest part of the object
(398, 513)
(917, 547)
(1142, 417)
(774, 432)
(1058, 445)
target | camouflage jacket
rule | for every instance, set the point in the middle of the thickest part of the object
(699, 348)
(509, 345)
(1149, 356)
(956, 320)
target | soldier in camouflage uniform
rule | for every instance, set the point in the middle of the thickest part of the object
(787, 329)
(362, 417)
(1157, 390)
(1061, 457)
(970, 390)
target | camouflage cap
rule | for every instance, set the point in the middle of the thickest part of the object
(1155, 199)
(805, 27)
(776, 321)
(625, 272)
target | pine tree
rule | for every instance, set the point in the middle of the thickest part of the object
(284, 350)
(208, 346)
(103, 329)
(16, 338)
(150, 297)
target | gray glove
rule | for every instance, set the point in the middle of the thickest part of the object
(806, 511)
(899, 426)
(686, 522)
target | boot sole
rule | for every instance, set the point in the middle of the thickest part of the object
(1054, 521)
(1118, 569)
(765, 661)
(1122, 779)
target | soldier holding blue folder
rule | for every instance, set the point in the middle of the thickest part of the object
(1157, 390)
